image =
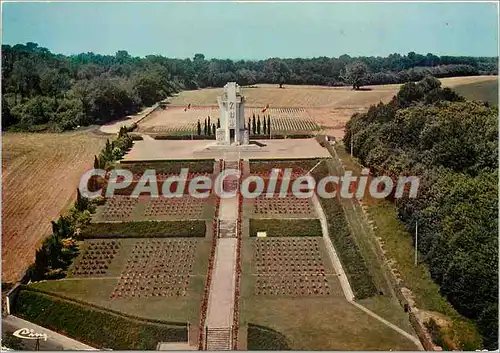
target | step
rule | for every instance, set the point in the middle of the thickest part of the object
(218, 339)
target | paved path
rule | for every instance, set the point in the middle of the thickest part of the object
(55, 340)
(220, 312)
(114, 127)
(221, 299)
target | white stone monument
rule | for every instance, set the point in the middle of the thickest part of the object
(232, 129)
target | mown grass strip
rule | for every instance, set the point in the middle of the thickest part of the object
(286, 227)
(145, 229)
(100, 329)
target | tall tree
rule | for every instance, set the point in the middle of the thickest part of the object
(355, 73)
(258, 125)
(254, 126)
(279, 71)
(198, 127)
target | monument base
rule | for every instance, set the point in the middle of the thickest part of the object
(214, 146)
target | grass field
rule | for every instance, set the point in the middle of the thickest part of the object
(293, 96)
(97, 289)
(40, 174)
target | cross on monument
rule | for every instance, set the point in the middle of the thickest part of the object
(232, 117)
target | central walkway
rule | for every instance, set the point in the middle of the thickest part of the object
(222, 290)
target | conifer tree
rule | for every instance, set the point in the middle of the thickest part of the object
(254, 126)
(258, 125)
(199, 127)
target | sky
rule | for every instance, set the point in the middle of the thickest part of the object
(254, 30)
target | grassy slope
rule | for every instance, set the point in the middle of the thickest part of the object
(98, 328)
(481, 91)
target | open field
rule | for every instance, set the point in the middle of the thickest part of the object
(309, 96)
(328, 107)
(159, 279)
(39, 180)
(327, 321)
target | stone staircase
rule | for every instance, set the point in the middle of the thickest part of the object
(218, 339)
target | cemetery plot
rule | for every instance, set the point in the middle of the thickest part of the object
(96, 258)
(157, 268)
(284, 125)
(178, 121)
(281, 206)
(290, 267)
(186, 207)
(186, 129)
(119, 208)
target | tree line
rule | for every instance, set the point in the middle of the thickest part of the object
(452, 146)
(46, 91)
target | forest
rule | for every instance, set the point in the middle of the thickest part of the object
(43, 91)
(452, 146)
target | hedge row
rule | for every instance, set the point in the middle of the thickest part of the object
(286, 227)
(144, 229)
(261, 338)
(97, 328)
(171, 166)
